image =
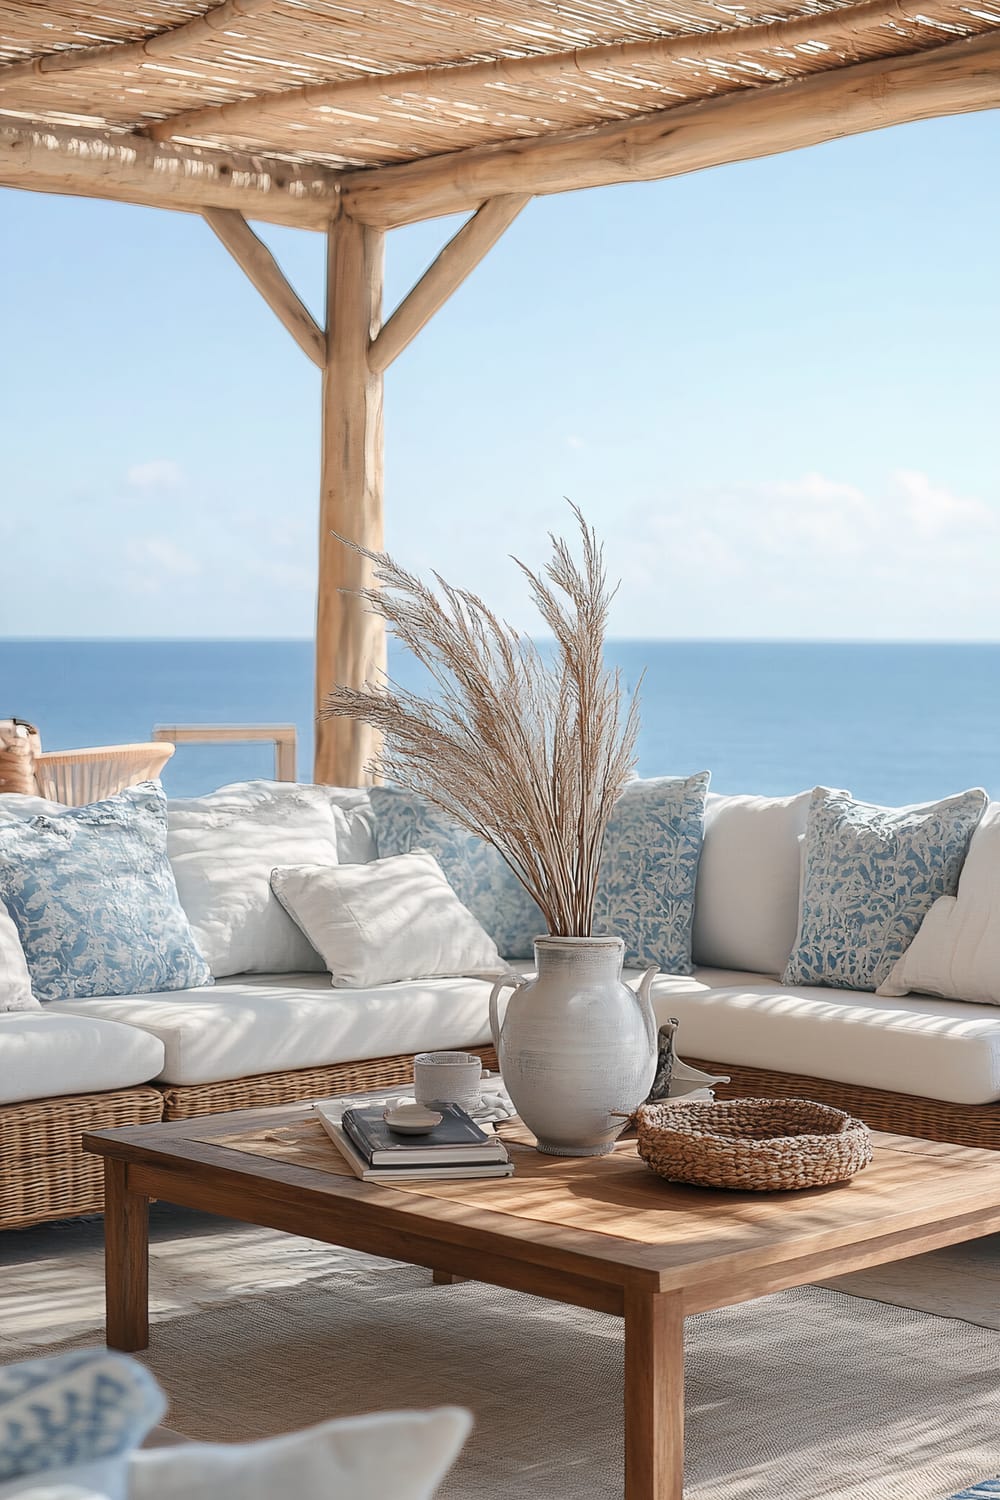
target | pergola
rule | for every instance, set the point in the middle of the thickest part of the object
(352, 120)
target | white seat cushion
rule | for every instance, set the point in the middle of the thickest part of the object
(940, 1049)
(48, 1052)
(267, 1023)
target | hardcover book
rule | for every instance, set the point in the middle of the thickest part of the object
(409, 1171)
(456, 1140)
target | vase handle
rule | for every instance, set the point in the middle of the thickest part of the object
(505, 981)
(646, 1005)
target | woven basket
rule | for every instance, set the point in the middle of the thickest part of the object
(753, 1145)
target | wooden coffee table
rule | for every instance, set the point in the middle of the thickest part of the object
(600, 1233)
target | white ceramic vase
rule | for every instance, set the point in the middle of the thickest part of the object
(576, 1045)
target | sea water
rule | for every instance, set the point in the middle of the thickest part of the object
(892, 723)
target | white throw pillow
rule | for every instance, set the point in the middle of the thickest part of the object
(746, 905)
(956, 952)
(223, 847)
(15, 981)
(393, 919)
(390, 1456)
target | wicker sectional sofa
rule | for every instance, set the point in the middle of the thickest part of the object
(917, 1065)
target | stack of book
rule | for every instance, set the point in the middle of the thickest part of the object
(457, 1147)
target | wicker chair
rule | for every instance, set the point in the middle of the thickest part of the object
(75, 777)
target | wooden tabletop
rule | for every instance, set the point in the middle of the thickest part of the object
(607, 1221)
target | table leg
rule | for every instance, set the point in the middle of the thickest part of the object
(654, 1396)
(126, 1261)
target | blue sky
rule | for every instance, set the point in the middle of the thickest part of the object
(773, 387)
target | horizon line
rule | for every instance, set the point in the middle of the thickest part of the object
(622, 640)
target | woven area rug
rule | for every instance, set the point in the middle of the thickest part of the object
(799, 1395)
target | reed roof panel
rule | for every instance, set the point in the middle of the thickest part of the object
(346, 85)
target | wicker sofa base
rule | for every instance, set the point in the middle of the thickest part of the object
(182, 1101)
(900, 1114)
(44, 1173)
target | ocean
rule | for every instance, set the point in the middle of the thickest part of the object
(890, 723)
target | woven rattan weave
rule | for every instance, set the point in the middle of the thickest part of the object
(881, 1109)
(753, 1145)
(183, 1101)
(44, 1172)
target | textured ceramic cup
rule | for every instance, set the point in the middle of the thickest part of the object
(447, 1078)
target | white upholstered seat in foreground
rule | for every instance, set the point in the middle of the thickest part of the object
(44, 1053)
(941, 1049)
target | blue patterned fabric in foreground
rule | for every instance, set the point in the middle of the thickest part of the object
(74, 1419)
(871, 875)
(94, 900)
(981, 1491)
(645, 892)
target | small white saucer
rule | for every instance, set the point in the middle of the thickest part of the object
(411, 1119)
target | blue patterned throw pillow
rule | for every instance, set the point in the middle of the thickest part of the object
(870, 876)
(94, 902)
(73, 1419)
(645, 893)
(479, 876)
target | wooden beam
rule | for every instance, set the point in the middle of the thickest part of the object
(255, 259)
(159, 45)
(457, 260)
(955, 79)
(540, 71)
(129, 169)
(350, 640)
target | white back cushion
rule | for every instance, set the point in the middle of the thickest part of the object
(956, 952)
(223, 847)
(390, 1456)
(355, 820)
(15, 981)
(746, 906)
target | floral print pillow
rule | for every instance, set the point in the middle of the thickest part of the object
(645, 892)
(93, 899)
(870, 876)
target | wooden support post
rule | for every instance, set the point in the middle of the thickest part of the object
(457, 260)
(654, 1395)
(350, 640)
(259, 265)
(126, 1260)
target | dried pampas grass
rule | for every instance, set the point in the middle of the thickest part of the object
(531, 755)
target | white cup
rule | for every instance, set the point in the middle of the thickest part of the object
(447, 1078)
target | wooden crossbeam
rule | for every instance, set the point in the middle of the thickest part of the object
(160, 45)
(451, 82)
(101, 164)
(957, 78)
(255, 259)
(459, 257)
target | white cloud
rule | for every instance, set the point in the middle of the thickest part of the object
(156, 474)
(934, 511)
(812, 556)
(286, 575)
(156, 561)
